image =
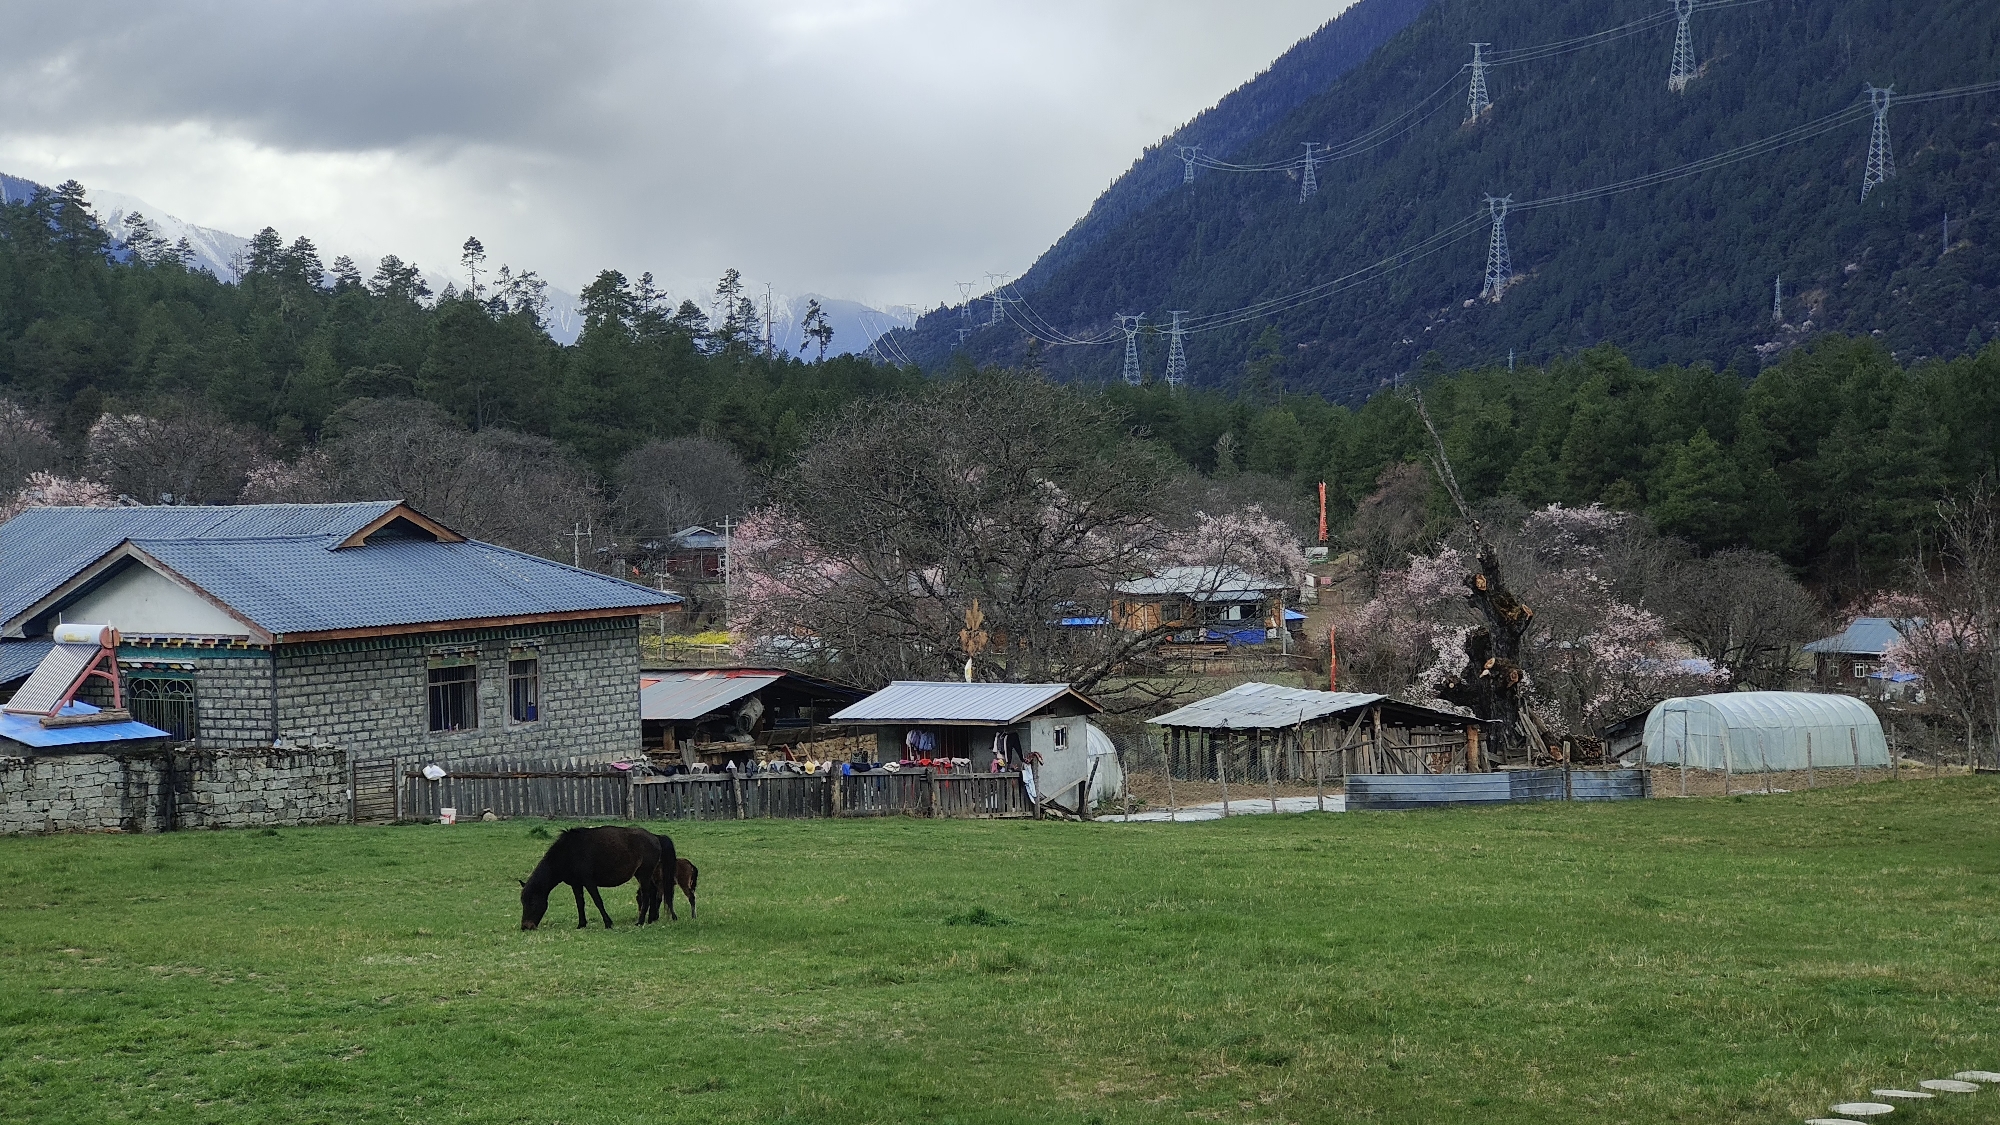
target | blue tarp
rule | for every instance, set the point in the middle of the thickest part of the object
(1251, 636)
(28, 730)
(1294, 615)
(1084, 622)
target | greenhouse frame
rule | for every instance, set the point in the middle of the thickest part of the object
(1762, 731)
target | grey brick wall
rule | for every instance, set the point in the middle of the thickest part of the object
(197, 788)
(372, 697)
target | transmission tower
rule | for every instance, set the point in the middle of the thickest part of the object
(1309, 186)
(1478, 100)
(964, 300)
(1683, 71)
(1778, 300)
(1499, 266)
(1189, 154)
(1177, 352)
(1881, 162)
(994, 281)
(962, 334)
(1131, 326)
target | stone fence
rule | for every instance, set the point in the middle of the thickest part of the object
(174, 789)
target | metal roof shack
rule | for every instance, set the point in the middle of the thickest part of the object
(1867, 636)
(79, 734)
(1851, 660)
(949, 703)
(1256, 729)
(722, 714)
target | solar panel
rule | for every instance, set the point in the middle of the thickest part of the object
(52, 679)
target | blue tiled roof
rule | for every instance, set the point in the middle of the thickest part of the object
(18, 659)
(277, 566)
(1868, 636)
(42, 548)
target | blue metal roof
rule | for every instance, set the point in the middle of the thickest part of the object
(1868, 636)
(276, 566)
(28, 731)
(19, 659)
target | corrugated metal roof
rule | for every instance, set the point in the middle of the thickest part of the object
(684, 696)
(1868, 636)
(1202, 583)
(917, 701)
(28, 730)
(276, 565)
(19, 659)
(1263, 707)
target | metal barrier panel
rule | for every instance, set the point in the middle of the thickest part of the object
(1536, 785)
(1389, 791)
(1610, 785)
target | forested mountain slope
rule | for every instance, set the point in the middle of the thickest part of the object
(1679, 272)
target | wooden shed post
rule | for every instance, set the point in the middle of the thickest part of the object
(1375, 741)
(1222, 760)
(1173, 750)
(1270, 765)
(1319, 776)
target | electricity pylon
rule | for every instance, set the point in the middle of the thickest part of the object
(964, 300)
(1684, 69)
(1131, 326)
(1478, 101)
(1499, 265)
(1189, 154)
(1177, 352)
(1309, 186)
(1881, 162)
(1778, 300)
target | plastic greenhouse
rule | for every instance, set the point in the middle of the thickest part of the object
(1754, 731)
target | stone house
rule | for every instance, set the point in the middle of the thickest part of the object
(369, 627)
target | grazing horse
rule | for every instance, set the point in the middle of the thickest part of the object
(589, 858)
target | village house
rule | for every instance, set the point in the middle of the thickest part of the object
(366, 626)
(1203, 605)
(1852, 662)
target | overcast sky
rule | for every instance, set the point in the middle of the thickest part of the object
(873, 149)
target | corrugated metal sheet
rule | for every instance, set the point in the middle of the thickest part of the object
(1868, 636)
(914, 701)
(1384, 792)
(19, 659)
(684, 696)
(1263, 707)
(28, 731)
(1202, 583)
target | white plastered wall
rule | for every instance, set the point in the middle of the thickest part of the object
(141, 602)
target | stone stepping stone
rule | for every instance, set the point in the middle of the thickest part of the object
(1906, 1095)
(1830, 1121)
(1863, 1109)
(1949, 1086)
(1978, 1076)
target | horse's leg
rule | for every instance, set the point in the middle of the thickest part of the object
(596, 898)
(582, 919)
(667, 893)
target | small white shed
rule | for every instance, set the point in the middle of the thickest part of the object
(1754, 731)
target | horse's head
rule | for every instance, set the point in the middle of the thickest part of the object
(534, 904)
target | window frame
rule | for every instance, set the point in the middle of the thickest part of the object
(463, 681)
(532, 678)
(141, 705)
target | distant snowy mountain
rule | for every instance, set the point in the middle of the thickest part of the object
(216, 251)
(855, 326)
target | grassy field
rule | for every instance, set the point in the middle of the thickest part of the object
(1746, 960)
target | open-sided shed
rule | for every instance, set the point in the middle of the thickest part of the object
(1299, 734)
(1762, 731)
(715, 715)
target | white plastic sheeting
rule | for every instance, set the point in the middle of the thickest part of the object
(1752, 731)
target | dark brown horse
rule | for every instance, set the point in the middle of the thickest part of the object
(589, 858)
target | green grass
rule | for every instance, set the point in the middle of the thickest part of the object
(1747, 960)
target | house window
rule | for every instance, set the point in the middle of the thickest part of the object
(1866, 668)
(455, 697)
(1062, 738)
(166, 702)
(1232, 613)
(524, 689)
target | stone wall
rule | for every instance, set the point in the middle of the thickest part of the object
(372, 696)
(179, 789)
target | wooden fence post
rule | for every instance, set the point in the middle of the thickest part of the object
(736, 788)
(1222, 761)
(1854, 744)
(1809, 761)
(1173, 753)
(1270, 775)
